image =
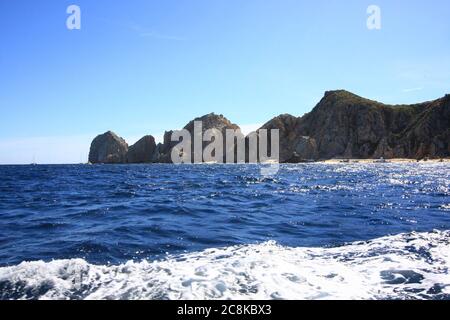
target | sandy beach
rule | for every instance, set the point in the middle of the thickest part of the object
(399, 160)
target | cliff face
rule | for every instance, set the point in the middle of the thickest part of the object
(209, 121)
(287, 125)
(342, 125)
(142, 151)
(429, 134)
(108, 148)
(212, 121)
(163, 150)
(346, 125)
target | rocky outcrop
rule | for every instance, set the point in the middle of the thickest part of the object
(209, 121)
(212, 121)
(428, 135)
(342, 125)
(305, 151)
(108, 148)
(163, 150)
(346, 125)
(306, 148)
(286, 124)
(142, 151)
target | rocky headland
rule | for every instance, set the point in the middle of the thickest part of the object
(341, 126)
(108, 148)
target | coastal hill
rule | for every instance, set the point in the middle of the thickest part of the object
(342, 125)
(209, 121)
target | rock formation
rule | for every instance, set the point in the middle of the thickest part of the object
(209, 121)
(108, 148)
(287, 124)
(428, 135)
(342, 125)
(346, 125)
(306, 149)
(163, 150)
(142, 151)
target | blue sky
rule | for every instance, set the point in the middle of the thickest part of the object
(140, 67)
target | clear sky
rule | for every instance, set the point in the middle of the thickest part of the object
(144, 66)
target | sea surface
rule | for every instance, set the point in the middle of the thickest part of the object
(311, 231)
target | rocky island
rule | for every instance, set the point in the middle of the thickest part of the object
(342, 125)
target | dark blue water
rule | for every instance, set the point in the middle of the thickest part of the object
(113, 214)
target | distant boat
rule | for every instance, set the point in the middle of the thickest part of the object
(33, 163)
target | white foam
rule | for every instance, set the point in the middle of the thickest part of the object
(395, 267)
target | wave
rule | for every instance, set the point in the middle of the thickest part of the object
(406, 266)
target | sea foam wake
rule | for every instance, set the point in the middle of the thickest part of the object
(406, 266)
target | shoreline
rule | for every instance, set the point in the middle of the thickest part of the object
(378, 161)
(329, 161)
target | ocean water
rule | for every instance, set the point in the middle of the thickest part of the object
(312, 231)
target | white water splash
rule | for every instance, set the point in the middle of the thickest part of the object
(407, 266)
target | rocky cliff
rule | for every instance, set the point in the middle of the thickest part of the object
(342, 125)
(108, 148)
(209, 121)
(287, 125)
(142, 151)
(428, 135)
(348, 126)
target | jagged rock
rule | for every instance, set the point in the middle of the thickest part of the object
(212, 121)
(286, 124)
(163, 150)
(108, 148)
(342, 125)
(307, 148)
(209, 121)
(428, 136)
(384, 150)
(348, 126)
(142, 151)
(345, 125)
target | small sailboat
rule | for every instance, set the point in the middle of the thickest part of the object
(33, 163)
